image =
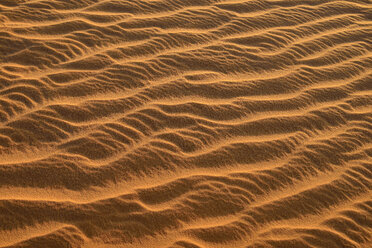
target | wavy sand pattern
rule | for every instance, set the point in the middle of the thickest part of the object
(186, 123)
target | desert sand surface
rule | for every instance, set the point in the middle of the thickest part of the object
(186, 123)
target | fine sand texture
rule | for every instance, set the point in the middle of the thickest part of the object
(185, 123)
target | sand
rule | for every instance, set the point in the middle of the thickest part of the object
(186, 123)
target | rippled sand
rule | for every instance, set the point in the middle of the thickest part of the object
(186, 123)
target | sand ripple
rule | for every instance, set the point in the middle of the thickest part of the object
(186, 124)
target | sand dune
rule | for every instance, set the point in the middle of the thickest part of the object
(186, 124)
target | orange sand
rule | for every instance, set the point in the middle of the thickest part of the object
(186, 123)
